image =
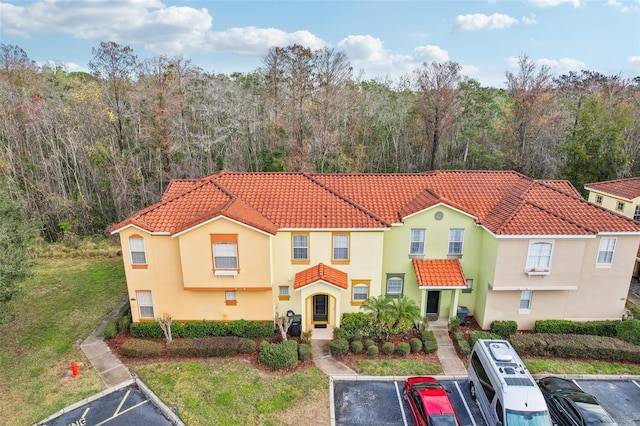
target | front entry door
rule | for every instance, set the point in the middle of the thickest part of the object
(433, 303)
(320, 308)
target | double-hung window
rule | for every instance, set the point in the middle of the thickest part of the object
(525, 300)
(225, 254)
(300, 247)
(395, 284)
(340, 248)
(605, 251)
(416, 248)
(539, 257)
(138, 251)
(456, 238)
(360, 291)
(145, 304)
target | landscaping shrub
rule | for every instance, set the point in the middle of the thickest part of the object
(194, 329)
(504, 329)
(428, 341)
(305, 336)
(356, 347)
(403, 349)
(339, 347)
(262, 345)
(251, 329)
(575, 346)
(304, 351)
(278, 356)
(416, 345)
(388, 348)
(111, 329)
(475, 335)
(594, 328)
(124, 322)
(356, 325)
(138, 348)
(147, 330)
(180, 347)
(215, 346)
(629, 331)
(463, 345)
(454, 323)
(372, 350)
(246, 346)
(368, 343)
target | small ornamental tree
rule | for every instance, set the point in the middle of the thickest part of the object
(283, 323)
(165, 324)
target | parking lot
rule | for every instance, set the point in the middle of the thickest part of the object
(378, 402)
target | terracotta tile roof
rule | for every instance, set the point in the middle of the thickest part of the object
(321, 272)
(562, 185)
(439, 273)
(505, 202)
(627, 189)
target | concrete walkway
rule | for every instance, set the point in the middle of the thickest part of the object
(107, 365)
(322, 358)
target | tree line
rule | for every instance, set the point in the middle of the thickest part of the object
(82, 150)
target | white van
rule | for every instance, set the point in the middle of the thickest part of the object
(503, 388)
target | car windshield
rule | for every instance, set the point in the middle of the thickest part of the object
(527, 418)
(443, 420)
(594, 414)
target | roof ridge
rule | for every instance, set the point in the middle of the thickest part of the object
(613, 180)
(345, 198)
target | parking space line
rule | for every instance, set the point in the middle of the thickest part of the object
(465, 403)
(404, 418)
(635, 383)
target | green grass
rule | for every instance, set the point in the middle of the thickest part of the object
(233, 392)
(565, 366)
(62, 303)
(395, 367)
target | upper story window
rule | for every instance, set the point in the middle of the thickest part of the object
(395, 284)
(539, 257)
(138, 252)
(636, 213)
(620, 206)
(225, 254)
(300, 247)
(456, 238)
(599, 199)
(145, 304)
(340, 248)
(605, 251)
(417, 241)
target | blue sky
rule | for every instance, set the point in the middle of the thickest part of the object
(383, 39)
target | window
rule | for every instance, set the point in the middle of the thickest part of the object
(456, 237)
(599, 199)
(636, 214)
(417, 241)
(145, 304)
(283, 292)
(525, 300)
(605, 251)
(539, 257)
(395, 284)
(360, 291)
(230, 297)
(620, 206)
(225, 254)
(300, 243)
(138, 252)
(469, 288)
(340, 248)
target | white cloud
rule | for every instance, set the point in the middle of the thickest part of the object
(430, 53)
(556, 66)
(633, 59)
(553, 3)
(478, 21)
(364, 48)
(257, 41)
(624, 7)
(529, 20)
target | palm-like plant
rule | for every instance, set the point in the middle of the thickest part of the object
(379, 307)
(403, 309)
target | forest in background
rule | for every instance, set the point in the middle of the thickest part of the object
(82, 151)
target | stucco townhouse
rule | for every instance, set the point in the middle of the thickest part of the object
(244, 245)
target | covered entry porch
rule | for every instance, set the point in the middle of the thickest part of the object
(321, 289)
(439, 279)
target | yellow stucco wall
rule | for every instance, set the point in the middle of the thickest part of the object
(611, 203)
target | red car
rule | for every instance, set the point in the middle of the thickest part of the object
(429, 402)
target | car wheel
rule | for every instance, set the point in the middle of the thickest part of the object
(472, 391)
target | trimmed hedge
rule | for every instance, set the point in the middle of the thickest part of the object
(504, 328)
(278, 356)
(575, 346)
(475, 335)
(246, 346)
(356, 347)
(388, 348)
(430, 345)
(136, 348)
(372, 350)
(629, 331)
(403, 349)
(193, 329)
(339, 347)
(593, 328)
(304, 351)
(416, 345)
(463, 345)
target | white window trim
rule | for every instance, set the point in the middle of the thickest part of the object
(421, 242)
(294, 247)
(530, 299)
(141, 305)
(219, 270)
(398, 278)
(335, 246)
(143, 251)
(539, 271)
(449, 252)
(613, 252)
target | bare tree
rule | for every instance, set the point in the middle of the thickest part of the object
(283, 323)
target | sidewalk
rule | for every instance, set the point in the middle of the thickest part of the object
(107, 365)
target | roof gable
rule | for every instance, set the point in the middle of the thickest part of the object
(628, 188)
(320, 273)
